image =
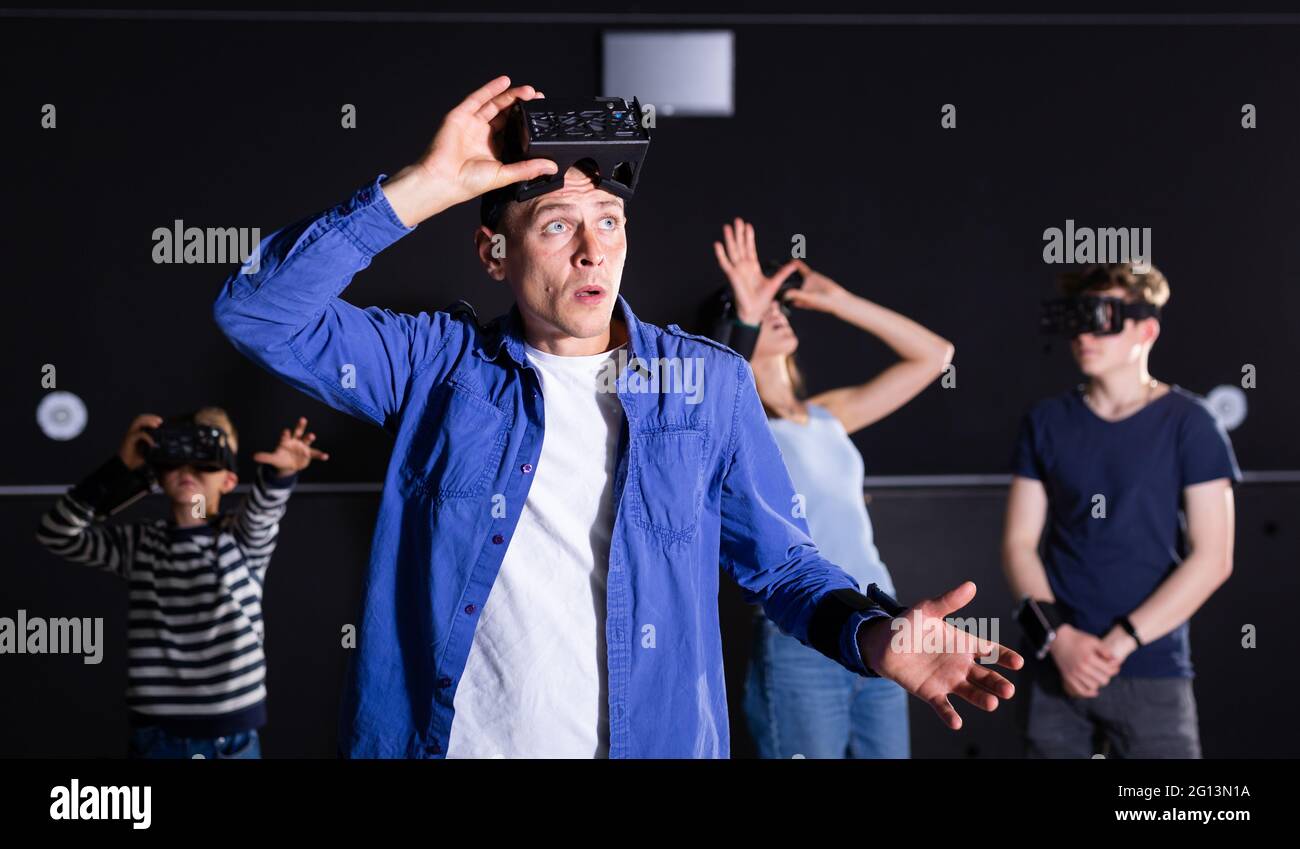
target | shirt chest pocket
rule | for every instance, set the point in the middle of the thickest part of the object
(456, 448)
(666, 482)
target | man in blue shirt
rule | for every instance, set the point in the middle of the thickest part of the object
(1114, 469)
(556, 596)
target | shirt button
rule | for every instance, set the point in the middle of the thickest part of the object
(469, 608)
(444, 681)
(498, 539)
(526, 468)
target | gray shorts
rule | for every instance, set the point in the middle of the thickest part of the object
(1130, 718)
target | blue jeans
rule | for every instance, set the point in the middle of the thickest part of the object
(150, 741)
(798, 702)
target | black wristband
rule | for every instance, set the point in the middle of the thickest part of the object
(1054, 617)
(112, 486)
(885, 600)
(830, 617)
(743, 337)
(1036, 616)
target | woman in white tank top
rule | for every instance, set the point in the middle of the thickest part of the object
(797, 701)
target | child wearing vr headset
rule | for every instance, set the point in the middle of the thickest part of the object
(196, 668)
(1132, 480)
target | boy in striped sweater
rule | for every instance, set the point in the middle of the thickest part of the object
(196, 668)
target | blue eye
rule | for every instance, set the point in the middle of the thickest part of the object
(554, 224)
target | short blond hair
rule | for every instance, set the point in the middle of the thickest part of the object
(219, 418)
(1151, 287)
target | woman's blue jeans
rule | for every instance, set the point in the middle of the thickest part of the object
(800, 703)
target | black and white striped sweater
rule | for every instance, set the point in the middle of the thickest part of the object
(195, 660)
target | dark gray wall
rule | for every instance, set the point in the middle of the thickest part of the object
(836, 137)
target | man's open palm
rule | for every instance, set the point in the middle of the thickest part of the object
(932, 660)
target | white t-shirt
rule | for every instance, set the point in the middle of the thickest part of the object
(535, 682)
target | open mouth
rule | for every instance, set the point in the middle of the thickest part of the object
(590, 294)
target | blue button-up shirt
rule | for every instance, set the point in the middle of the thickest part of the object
(700, 483)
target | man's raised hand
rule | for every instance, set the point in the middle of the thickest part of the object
(932, 660)
(464, 159)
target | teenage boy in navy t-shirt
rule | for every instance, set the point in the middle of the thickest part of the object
(1132, 479)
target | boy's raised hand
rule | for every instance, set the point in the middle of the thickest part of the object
(464, 159)
(132, 451)
(294, 453)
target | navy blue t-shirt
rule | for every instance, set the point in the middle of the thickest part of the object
(1102, 568)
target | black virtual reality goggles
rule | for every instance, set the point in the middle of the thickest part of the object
(605, 134)
(1101, 315)
(182, 442)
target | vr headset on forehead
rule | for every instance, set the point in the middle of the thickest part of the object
(1100, 315)
(180, 441)
(604, 134)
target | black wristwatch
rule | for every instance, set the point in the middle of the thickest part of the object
(1123, 622)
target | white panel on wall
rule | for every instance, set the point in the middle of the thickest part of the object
(689, 72)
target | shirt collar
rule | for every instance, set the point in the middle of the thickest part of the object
(507, 331)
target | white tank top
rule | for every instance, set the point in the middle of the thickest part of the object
(827, 470)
